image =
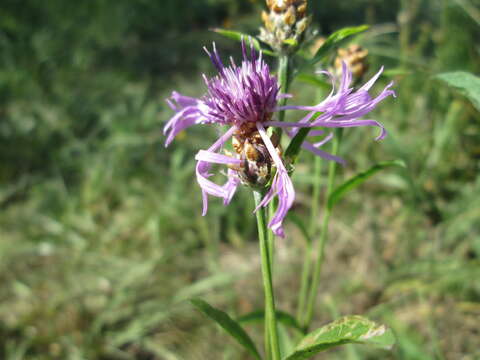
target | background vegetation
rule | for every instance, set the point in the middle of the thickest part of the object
(101, 234)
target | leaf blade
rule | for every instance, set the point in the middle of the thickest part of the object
(352, 329)
(232, 327)
(359, 179)
(336, 39)
(467, 83)
(282, 317)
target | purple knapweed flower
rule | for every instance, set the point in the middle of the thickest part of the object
(245, 97)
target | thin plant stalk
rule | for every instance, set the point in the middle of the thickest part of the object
(320, 249)
(312, 231)
(307, 263)
(283, 80)
(270, 318)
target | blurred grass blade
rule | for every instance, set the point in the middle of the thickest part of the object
(470, 10)
(334, 40)
(228, 324)
(397, 72)
(237, 35)
(359, 179)
(297, 220)
(286, 341)
(282, 317)
(314, 80)
(347, 330)
(467, 83)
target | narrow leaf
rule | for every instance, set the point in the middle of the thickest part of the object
(347, 330)
(228, 324)
(281, 316)
(397, 72)
(467, 83)
(336, 39)
(296, 144)
(360, 178)
(237, 35)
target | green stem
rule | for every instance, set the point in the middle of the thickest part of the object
(307, 263)
(312, 296)
(270, 317)
(284, 81)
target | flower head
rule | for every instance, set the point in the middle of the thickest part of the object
(240, 94)
(245, 97)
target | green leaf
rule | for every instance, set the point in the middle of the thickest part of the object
(259, 315)
(397, 72)
(237, 35)
(347, 330)
(296, 144)
(359, 179)
(336, 39)
(228, 324)
(467, 83)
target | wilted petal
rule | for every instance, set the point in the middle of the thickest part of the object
(205, 159)
(282, 187)
(231, 186)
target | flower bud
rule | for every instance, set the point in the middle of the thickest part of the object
(356, 59)
(284, 24)
(256, 167)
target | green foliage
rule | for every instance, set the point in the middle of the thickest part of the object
(259, 315)
(101, 233)
(336, 39)
(359, 179)
(228, 324)
(295, 144)
(467, 83)
(347, 330)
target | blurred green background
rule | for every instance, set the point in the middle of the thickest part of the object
(101, 233)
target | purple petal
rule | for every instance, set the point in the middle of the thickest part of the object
(207, 157)
(231, 186)
(310, 147)
(188, 113)
(215, 158)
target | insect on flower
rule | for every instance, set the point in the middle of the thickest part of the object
(245, 97)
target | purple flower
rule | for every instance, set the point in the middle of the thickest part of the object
(245, 97)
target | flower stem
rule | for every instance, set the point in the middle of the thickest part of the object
(307, 263)
(312, 296)
(270, 317)
(283, 81)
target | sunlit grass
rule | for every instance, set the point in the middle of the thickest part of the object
(101, 234)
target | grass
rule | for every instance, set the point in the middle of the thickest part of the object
(101, 237)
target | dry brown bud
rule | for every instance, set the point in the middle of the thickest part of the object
(237, 145)
(250, 152)
(286, 20)
(356, 59)
(289, 16)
